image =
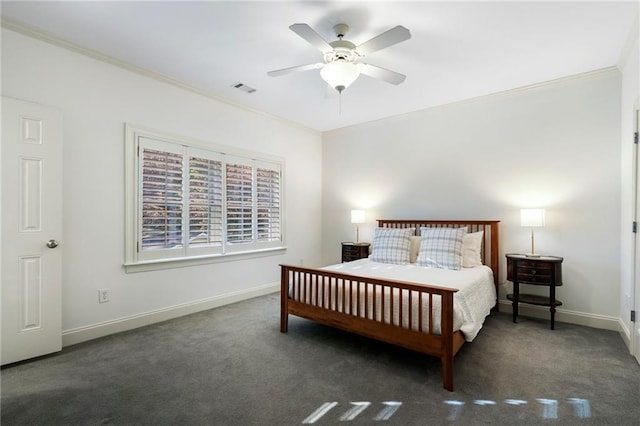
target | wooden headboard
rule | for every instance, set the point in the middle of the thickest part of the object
(490, 242)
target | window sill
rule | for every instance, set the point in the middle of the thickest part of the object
(155, 265)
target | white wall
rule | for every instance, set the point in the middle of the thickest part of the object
(96, 100)
(555, 146)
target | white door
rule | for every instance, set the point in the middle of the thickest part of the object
(635, 338)
(31, 266)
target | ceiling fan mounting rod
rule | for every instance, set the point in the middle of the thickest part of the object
(340, 30)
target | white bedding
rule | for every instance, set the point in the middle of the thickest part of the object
(472, 303)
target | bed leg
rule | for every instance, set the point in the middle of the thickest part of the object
(284, 298)
(447, 374)
(446, 354)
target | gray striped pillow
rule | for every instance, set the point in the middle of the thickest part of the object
(391, 245)
(441, 247)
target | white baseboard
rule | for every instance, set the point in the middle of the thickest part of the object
(563, 315)
(94, 331)
(626, 335)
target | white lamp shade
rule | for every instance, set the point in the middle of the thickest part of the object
(339, 74)
(357, 216)
(532, 218)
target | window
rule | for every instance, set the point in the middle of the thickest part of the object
(187, 202)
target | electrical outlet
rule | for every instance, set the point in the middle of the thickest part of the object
(103, 295)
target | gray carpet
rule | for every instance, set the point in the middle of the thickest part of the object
(232, 366)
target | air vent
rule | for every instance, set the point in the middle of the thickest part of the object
(244, 87)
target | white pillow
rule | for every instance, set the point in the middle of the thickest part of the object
(441, 247)
(415, 248)
(392, 245)
(472, 249)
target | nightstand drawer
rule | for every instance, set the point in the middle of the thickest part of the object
(527, 264)
(354, 251)
(534, 278)
(351, 250)
(535, 274)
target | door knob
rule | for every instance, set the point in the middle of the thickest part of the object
(52, 244)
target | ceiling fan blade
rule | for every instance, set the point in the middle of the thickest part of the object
(309, 34)
(381, 73)
(298, 68)
(388, 38)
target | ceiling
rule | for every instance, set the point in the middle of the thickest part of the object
(458, 50)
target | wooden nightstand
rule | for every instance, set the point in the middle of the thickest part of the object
(543, 270)
(354, 251)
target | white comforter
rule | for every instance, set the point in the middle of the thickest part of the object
(472, 303)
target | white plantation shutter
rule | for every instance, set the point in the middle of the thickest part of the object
(269, 226)
(161, 201)
(239, 187)
(205, 202)
(192, 202)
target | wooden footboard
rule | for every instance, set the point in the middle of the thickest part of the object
(396, 312)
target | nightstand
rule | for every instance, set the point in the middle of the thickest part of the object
(354, 251)
(543, 270)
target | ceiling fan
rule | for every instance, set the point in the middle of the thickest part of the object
(341, 65)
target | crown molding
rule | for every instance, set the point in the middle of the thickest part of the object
(490, 96)
(28, 31)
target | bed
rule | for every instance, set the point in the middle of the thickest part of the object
(401, 300)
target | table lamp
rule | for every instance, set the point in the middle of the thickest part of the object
(357, 217)
(532, 218)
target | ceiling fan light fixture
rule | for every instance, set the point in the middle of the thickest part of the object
(339, 74)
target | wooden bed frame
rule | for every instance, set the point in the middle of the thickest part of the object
(347, 314)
